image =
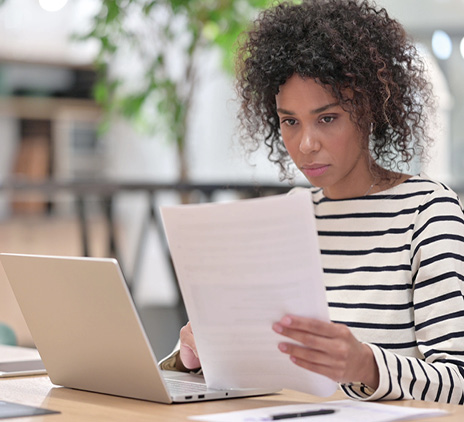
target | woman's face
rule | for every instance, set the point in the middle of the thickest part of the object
(322, 140)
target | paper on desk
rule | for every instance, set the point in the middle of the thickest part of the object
(345, 411)
(241, 266)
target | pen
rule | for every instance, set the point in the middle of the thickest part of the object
(302, 414)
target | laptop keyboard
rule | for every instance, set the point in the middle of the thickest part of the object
(184, 387)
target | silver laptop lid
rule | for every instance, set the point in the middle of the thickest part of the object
(85, 325)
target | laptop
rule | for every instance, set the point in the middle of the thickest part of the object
(89, 335)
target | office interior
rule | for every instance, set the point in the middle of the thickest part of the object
(49, 126)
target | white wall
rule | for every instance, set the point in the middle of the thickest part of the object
(30, 34)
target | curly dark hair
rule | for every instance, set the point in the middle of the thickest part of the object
(353, 48)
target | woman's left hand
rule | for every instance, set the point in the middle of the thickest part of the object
(328, 349)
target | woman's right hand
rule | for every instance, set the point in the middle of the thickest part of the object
(188, 349)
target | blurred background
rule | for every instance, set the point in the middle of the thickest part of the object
(106, 106)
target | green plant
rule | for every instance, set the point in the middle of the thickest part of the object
(154, 35)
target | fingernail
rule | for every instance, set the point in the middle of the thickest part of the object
(277, 328)
(286, 320)
(283, 347)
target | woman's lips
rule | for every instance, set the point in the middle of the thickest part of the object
(314, 170)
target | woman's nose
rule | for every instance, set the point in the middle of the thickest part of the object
(309, 143)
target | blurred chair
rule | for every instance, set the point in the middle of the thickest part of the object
(7, 335)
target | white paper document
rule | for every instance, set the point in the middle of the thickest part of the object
(241, 266)
(343, 411)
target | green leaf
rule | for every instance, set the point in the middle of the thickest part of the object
(113, 11)
(100, 92)
(211, 30)
(148, 7)
(131, 105)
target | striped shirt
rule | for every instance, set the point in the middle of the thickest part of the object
(394, 270)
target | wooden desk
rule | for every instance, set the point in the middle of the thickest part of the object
(77, 405)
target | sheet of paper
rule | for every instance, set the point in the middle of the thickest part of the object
(345, 411)
(241, 266)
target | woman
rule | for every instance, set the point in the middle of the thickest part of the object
(336, 88)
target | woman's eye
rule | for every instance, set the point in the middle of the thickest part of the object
(327, 119)
(289, 122)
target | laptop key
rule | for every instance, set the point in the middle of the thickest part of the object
(181, 387)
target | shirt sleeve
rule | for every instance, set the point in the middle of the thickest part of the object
(169, 362)
(437, 264)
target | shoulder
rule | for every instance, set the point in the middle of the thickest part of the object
(427, 190)
(435, 207)
(426, 185)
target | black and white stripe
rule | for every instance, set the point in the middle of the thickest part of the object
(394, 269)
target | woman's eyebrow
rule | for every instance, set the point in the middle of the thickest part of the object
(324, 108)
(283, 111)
(315, 111)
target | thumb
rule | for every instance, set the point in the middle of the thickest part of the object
(189, 357)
